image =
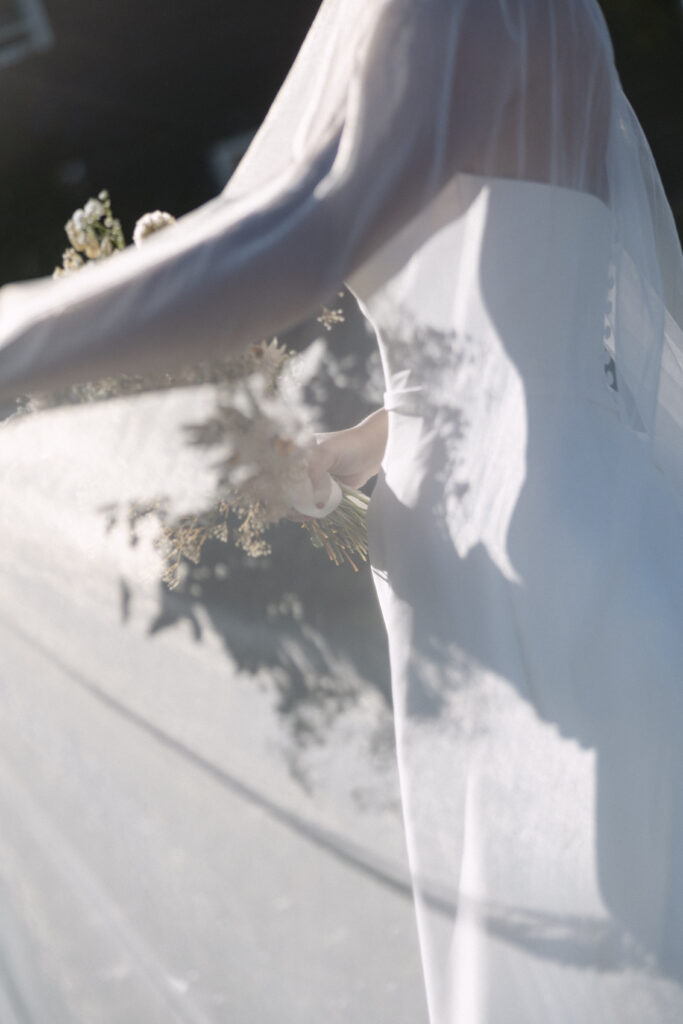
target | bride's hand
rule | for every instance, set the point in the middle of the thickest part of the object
(351, 456)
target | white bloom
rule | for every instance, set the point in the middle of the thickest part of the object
(71, 262)
(151, 223)
(75, 234)
(92, 245)
(93, 209)
(307, 364)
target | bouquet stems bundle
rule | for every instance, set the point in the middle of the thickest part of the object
(343, 534)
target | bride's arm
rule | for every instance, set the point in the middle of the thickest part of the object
(351, 456)
(236, 271)
(223, 276)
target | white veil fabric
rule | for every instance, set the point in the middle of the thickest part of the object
(473, 169)
(384, 104)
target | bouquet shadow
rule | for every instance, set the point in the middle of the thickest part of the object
(312, 635)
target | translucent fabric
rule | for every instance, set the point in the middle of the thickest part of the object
(527, 555)
(474, 171)
(384, 105)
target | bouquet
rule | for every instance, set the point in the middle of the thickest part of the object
(261, 430)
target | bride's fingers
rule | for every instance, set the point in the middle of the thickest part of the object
(321, 458)
(320, 463)
(322, 487)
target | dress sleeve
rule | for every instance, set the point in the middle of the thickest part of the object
(240, 269)
(424, 98)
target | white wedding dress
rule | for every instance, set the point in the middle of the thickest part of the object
(529, 563)
(472, 168)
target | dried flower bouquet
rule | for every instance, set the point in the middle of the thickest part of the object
(260, 431)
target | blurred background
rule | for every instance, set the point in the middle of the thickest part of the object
(138, 98)
(156, 100)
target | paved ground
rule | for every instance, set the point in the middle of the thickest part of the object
(198, 797)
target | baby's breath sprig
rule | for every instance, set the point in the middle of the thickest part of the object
(329, 318)
(186, 536)
(94, 234)
(149, 224)
(261, 432)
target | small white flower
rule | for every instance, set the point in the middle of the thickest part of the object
(75, 234)
(71, 262)
(149, 224)
(93, 209)
(92, 245)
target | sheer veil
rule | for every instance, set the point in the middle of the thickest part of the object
(387, 100)
(389, 105)
(515, 90)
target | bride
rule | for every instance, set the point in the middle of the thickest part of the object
(474, 172)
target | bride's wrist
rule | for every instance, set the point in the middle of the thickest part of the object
(371, 436)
